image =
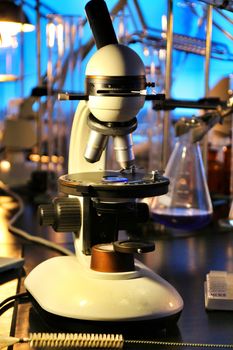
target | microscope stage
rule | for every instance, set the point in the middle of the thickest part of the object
(115, 184)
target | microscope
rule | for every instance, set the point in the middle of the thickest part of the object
(103, 281)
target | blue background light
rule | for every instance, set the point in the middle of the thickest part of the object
(188, 69)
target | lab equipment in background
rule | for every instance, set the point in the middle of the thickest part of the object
(154, 60)
(148, 138)
(187, 205)
(219, 148)
(104, 282)
(227, 223)
(19, 137)
(64, 39)
(18, 129)
(48, 154)
(8, 55)
(218, 168)
(13, 22)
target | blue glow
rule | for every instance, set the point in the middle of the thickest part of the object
(188, 69)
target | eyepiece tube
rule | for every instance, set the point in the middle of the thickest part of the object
(100, 22)
(95, 146)
(123, 146)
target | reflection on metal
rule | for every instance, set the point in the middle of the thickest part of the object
(168, 81)
(207, 73)
(208, 49)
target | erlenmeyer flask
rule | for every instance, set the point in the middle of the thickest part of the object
(187, 205)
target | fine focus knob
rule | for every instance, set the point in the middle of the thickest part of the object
(63, 214)
(130, 246)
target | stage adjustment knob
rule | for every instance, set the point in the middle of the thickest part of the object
(63, 214)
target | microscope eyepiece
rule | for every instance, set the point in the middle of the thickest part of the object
(100, 23)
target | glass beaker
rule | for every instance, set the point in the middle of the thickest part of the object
(187, 205)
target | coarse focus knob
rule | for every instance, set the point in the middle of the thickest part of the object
(63, 214)
(105, 259)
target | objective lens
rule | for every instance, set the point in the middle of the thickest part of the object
(95, 146)
(123, 146)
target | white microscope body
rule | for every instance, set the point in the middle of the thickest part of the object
(83, 286)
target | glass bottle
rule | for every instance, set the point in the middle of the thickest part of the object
(187, 205)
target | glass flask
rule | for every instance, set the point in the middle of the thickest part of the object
(187, 205)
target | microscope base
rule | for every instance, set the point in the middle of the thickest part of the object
(64, 286)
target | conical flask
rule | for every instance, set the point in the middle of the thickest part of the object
(187, 205)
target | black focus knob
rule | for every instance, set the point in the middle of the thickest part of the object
(63, 214)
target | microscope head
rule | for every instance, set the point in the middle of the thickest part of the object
(115, 76)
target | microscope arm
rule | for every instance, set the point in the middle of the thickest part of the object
(78, 141)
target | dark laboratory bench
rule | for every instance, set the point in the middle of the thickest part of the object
(183, 260)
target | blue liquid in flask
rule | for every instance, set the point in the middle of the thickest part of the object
(182, 218)
(187, 205)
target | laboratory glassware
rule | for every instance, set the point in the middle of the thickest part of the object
(187, 205)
